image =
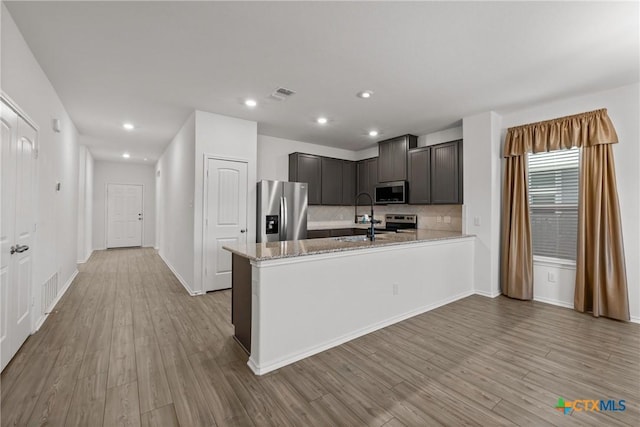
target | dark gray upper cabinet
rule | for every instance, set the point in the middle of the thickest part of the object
(446, 173)
(392, 159)
(307, 168)
(331, 181)
(420, 176)
(349, 180)
(367, 175)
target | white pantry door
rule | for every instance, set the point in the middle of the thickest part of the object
(124, 215)
(16, 234)
(225, 220)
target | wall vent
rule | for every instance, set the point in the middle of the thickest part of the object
(282, 93)
(49, 293)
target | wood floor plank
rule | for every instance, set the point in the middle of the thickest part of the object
(55, 399)
(122, 408)
(87, 403)
(161, 417)
(152, 379)
(122, 359)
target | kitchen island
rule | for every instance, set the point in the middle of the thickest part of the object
(293, 299)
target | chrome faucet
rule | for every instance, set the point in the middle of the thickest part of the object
(372, 233)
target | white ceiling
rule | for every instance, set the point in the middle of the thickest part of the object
(429, 63)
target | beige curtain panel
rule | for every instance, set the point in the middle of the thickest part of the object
(601, 280)
(516, 269)
(580, 130)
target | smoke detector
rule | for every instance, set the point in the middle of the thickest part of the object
(282, 93)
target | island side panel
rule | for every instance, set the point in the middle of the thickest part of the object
(305, 305)
(241, 300)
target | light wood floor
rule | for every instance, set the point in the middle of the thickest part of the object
(127, 346)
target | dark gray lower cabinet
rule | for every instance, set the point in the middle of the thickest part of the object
(307, 168)
(331, 181)
(420, 176)
(446, 173)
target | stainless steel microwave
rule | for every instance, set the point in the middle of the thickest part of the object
(392, 192)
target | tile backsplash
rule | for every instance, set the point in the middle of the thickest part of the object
(450, 216)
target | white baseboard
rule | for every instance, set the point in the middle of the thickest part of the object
(47, 310)
(553, 302)
(180, 279)
(635, 319)
(261, 370)
(82, 261)
(487, 294)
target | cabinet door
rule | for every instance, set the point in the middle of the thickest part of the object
(446, 173)
(331, 181)
(307, 168)
(349, 180)
(372, 171)
(392, 163)
(385, 164)
(398, 159)
(363, 176)
(420, 176)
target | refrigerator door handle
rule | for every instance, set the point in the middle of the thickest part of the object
(285, 218)
(281, 216)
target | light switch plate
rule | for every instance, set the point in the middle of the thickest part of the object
(476, 221)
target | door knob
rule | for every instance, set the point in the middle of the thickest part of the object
(19, 249)
(139, 218)
(12, 250)
(243, 231)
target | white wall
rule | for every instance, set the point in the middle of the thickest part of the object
(481, 181)
(227, 138)
(123, 173)
(23, 80)
(85, 204)
(273, 155)
(623, 105)
(447, 135)
(175, 188)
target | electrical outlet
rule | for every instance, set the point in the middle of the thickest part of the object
(476, 221)
(447, 219)
(551, 277)
(396, 289)
(439, 219)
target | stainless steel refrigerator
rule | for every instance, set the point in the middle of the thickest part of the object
(282, 211)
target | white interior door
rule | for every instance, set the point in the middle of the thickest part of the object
(226, 219)
(16, 235)
(124, 215)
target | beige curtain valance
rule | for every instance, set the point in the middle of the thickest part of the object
(580, 130)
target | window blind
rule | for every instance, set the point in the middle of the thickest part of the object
(553, 202)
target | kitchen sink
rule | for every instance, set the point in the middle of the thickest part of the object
(362, 238)
(351, 238)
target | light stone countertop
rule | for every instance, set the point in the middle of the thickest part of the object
(297, 248)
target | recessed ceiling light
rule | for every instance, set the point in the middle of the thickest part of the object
(365, 94)
(145, 159)
(250, 103)
(128, 126)
(373, 133)
(322, 120)
(126, 155)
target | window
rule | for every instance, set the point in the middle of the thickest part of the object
(553, 203)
